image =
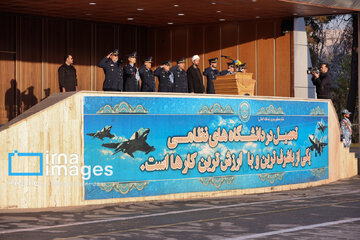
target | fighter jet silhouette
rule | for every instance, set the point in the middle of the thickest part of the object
(137, 142)
(103, 133)
(322, 127)
(316, 144)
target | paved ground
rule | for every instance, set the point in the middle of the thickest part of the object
(326, 212)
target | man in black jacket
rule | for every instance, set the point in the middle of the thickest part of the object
(194, 77)
(147, 76)
(322, 82)
(67, 75)
(131, 75)
(180, 79)
(113, 72)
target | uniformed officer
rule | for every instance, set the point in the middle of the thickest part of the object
(230, 70)
(180, 79)
(113, 72)
(211, 73)
(346, 130)
(131, 75)
(147, 76)
(166, 78)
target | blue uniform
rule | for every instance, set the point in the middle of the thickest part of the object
(210, 74)
(166, 80)
(113, 75)
(147, 79)
(225, 72)
(180, 79)
(131, 78)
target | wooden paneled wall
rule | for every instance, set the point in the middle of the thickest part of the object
(33, 47)
(259, 43)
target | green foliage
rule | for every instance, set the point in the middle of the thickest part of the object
(337, 53)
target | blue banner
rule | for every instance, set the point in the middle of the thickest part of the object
(148, 146)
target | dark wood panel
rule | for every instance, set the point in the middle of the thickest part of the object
(283, 65)
(195, 44)
(151, 45)
(80, 48)
(141, 45)
(55, 48)
(104, 44)
(179, 43)
(127, 41)
(163, 45)
(9, 88)
(30, 61)
(151, 50)
(229, 37)
(247, 45)
(212, 46)
(265, 58)
(8, 29)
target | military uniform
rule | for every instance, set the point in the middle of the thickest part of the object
(346, 130)
(180, 78)
(211, 74)
(131, 77)
(227, 72)
(113, 73)
(147, 77)
(166, 79)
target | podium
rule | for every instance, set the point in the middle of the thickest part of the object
(235, 84)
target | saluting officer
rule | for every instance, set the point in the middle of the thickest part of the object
(147, 76)
(230, 70)
(211, 73)
(131, 75)
(180, 79)
(166, 78)
(113, 72)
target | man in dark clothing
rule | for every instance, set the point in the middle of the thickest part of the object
(322, 82)
(113, 72)
(229, 71)
(147, 76)
(131, 75)
(180, 79)
(211, 73)
(166, 78)
(194, 77)
(67, 75)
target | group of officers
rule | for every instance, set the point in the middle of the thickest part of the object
(127, 78)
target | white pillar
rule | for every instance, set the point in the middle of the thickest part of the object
(302, 82)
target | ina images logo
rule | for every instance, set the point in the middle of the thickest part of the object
(15, 154)
(55, 165)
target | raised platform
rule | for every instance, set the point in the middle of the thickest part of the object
(103, 147)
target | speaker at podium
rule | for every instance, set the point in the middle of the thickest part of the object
(235, 84)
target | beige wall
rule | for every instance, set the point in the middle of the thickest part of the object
(59, 129)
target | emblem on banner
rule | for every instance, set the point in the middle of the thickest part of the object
(244, 111)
